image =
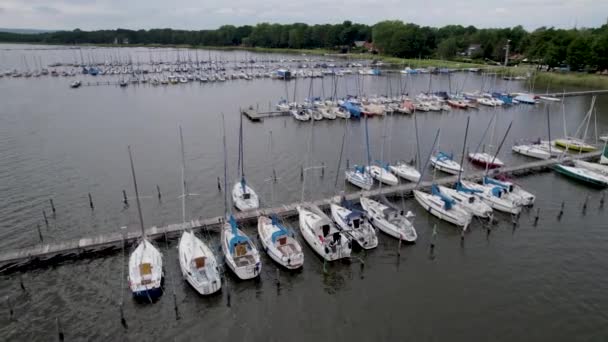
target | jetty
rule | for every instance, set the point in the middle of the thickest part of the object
(45, 253)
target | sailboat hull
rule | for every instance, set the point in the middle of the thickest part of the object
(457, 217)
(582, 175)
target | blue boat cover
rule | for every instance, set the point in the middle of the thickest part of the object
(382, 164)
(353, 109)
(444, 156)
(236, 239)
(497, 191)
(282, 230)
(359, 169)
(447, 200)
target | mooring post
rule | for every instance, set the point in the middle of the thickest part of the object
(60, 335)
(399, 247)
(52, 205)
(39, 232)
(302, 172)
(219, 185)
(46, 220)
(175, 307)
(585, 205)
(158, 191)
(537, 216)
(124, 197)
(561, 211)
(602, 200)
(11, 312)
(348, 163)
(278, 279)
(123, 321)
(274, 175)
(21, 284)
(91, 202)
(322, 169)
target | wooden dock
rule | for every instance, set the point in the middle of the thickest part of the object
(254, 115)
(11, 260)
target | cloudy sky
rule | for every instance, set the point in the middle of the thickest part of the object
(208, 14)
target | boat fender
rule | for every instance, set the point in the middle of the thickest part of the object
(326, 250)
(288, 261)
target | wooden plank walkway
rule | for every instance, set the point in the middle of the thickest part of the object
(72, 248)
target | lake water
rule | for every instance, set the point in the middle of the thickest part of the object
(540, 283)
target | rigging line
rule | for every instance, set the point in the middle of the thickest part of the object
(464, 145)
(500, 146)
(341, 152)
(484, 134)
(428, 159)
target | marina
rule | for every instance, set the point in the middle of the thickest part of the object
(70, 224)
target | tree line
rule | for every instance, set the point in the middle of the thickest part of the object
(580, 49)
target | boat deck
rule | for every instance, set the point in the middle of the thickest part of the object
(61, 250)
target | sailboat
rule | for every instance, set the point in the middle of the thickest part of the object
(321, 234)
(446, 163)
(485, 159)
(496, 197)
(601, 167)
(146, 262)
(443, 207)
(359, 175)
(354, 223)
(240, 253)
(277, 240)
(196, 260)
(575, 143)
(381, 172)
(243, 196)
(389, 219)
(408, 171)
(525, 198)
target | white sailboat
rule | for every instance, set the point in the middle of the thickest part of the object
(146, 262)
(381, 173)
(279, 243)
(469, 202)
(405, 171)
(354, 224)
(443, 207)
(243, 196)
(240, 253)
(525, 198)
(196, 260)
(495, 196)
(390, 220)
(321, 234)
(445, 162)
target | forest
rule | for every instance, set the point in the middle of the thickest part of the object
(579, 49)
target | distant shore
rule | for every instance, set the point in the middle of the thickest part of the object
(591, 81)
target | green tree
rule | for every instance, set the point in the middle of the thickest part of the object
(579, 53)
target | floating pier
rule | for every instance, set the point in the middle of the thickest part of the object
(11, 260)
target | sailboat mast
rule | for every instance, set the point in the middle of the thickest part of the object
(225, 167)
(464, 146)
(549, 130)
(417, 143)
(141, 217)
(499, 146)
(181, 141)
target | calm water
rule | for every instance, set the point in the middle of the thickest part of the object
(543, 283)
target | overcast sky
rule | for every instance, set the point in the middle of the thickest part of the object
(209, 14)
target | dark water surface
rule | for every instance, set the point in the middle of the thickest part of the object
(543, 283)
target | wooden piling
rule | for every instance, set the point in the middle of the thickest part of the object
(52, 205)
(124, 197)
(158, 191)
(46, 220)
(91, 202)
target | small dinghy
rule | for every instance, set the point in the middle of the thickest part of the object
(469, 202)
(243, 196)
(446, 163)
(240, 253)
(525, 198)
(198, 264)
(495, 196)
(381, 172)
(389, 220)
(358, 176)
(354, 224)
(443, 207)
(485, 160)
(405, 171)
(321, 234)
(582, 175)
(279, 243)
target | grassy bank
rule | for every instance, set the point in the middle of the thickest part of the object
(590, 81)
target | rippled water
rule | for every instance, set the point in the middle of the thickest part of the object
(528, 283)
